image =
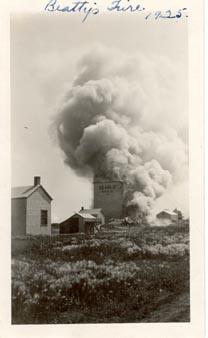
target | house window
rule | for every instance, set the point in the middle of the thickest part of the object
(44, 217)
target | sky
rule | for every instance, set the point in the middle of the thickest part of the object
(45, 50)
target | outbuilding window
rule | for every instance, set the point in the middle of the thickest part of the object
(44, 217)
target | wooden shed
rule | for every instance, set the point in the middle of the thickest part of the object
(96, 212)
(78, 223)
(31, 210)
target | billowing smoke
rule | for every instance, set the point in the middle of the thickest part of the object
(124, 117)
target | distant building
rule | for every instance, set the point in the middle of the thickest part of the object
(168, 215)
(179, 213)
(109, 196)
(97, 213)
(31, 210)
(78, 223)
(54, 228)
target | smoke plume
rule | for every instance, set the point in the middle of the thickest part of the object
(124, 117)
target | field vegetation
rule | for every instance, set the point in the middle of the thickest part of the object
(119, 275)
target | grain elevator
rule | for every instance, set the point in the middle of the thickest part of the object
(109, 195)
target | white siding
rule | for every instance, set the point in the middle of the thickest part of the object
(35, 203)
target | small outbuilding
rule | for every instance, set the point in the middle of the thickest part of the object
(31, 210)
(168, 215)
(78, 223)
(96, 212)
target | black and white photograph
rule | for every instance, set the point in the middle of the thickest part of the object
(100, 213)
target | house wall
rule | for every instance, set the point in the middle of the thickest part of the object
(35, 203)
(81, 225)
(65, 226)
(164, 216)
(174, 218)
(109, 196)
(80, 222)
(18, 215)
(100, 219)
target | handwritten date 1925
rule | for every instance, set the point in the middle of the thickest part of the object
(169, 14)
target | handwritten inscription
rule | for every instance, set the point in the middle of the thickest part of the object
(75, 7)
(167, 14)
(88, 8)
(118, 6)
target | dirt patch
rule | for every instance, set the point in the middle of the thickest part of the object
(176, 311)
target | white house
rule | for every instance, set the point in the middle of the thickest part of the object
(31, 210)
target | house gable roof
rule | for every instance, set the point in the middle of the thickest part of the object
(168, 212)
(84, 216)
(26, 191)
(96, 211)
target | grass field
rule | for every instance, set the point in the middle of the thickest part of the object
(120, 275)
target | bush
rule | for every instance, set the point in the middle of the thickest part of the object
(102, 279)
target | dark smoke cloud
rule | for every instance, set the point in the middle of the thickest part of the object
(124, 117)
